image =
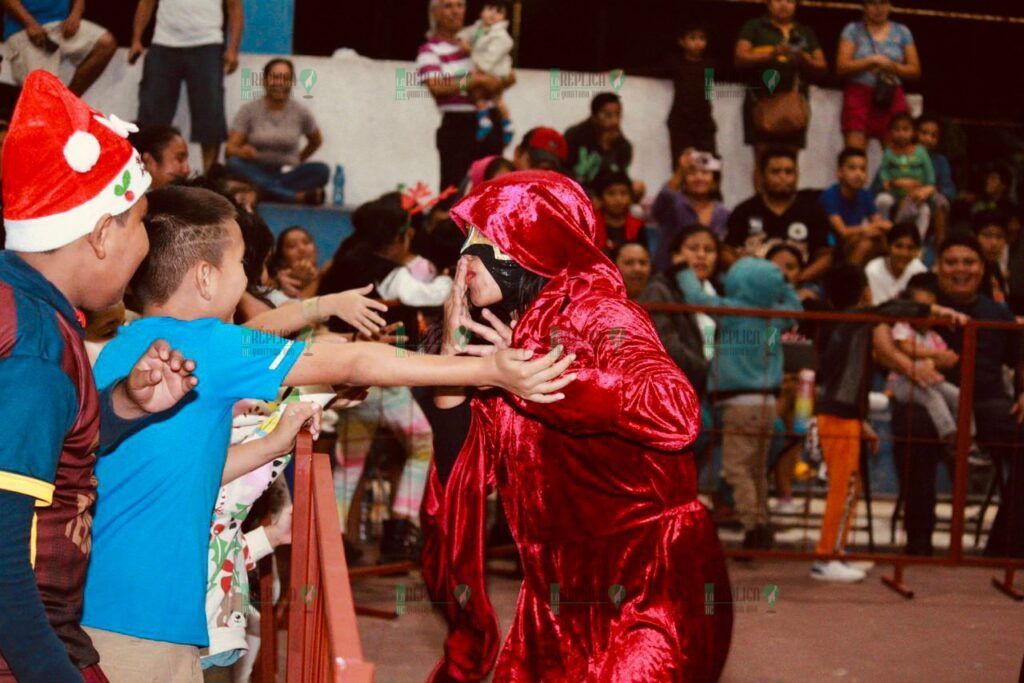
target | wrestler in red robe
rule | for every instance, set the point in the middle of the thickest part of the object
(599, 488)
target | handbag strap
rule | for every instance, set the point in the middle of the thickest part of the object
(874, 46)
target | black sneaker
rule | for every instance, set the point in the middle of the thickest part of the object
(401, 541)
(353, 553)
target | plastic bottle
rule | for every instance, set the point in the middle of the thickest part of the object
(803, 406)
(338, 197)
(364, 518)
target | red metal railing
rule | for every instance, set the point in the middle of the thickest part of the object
(956, 555)
(323, 637)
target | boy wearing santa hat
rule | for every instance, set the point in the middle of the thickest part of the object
(73, 207)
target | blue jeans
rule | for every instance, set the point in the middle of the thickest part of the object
(202, 69)
(279, 186)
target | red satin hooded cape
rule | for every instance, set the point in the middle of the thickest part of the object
(600, 493)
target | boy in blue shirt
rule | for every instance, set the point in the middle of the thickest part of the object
(856, 222)
(145, 592)
(73, 242)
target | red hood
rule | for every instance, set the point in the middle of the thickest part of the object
(545, 222)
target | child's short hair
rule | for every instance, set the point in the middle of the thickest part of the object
(154, 139)
(259, 243)
(185, 225)
(922, 282)
(789, 249)
(778, 152)
(844, 285)
(691, 28)
(501, 5)
(496, 166)
(601, 100)
(849, 153)
(986, 219)
(905, 229)
(609, 179)
(614, 256)
(902, 117)
(928, 118)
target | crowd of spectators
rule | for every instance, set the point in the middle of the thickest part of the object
(907, 243)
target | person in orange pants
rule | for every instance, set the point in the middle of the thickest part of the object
(840, 446)
(846, 371)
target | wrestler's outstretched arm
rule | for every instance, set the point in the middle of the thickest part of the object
(625, 384)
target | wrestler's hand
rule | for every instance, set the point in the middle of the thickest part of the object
(498, 334)
(160, 379)
(533, 380)
(456, 309)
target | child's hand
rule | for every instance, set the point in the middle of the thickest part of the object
(949, 314)
(296, 416)
(533, 380)
(871, 437)
(160, 378)
(289, 283)
(925, 374)
(946, 358)
(348, 397)
(386, 335)
(464, 45)
(304, 271)
(356, 309)
(279, 532)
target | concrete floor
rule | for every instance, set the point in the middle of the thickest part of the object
(957, 628)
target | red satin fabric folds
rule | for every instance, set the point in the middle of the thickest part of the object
(600, 492)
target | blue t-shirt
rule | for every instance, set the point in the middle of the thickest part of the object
(853, 211)
(43, 11)
(158, 486)
(893, 46)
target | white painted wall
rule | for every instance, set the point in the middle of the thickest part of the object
(382, 140)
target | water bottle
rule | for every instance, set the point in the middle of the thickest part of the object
(365, 527)
(338, 198)
(379, 509)
(803, 407)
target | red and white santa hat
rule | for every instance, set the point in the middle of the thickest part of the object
(65, 166)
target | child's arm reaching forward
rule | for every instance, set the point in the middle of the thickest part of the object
(371, 364)
(352, 306)
(246, 457)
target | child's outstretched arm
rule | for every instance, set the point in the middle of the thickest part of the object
(371, 364)
(352, 306)
(246, 457)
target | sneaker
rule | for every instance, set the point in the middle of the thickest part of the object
(977, 457)
(864, 565)
(401, 541)
(836, 572)
(484, 125)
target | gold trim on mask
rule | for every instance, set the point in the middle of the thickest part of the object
(476, 237)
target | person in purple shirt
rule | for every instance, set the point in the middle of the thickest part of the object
(688, 198)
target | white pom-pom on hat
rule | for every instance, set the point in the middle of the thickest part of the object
(82, 151)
